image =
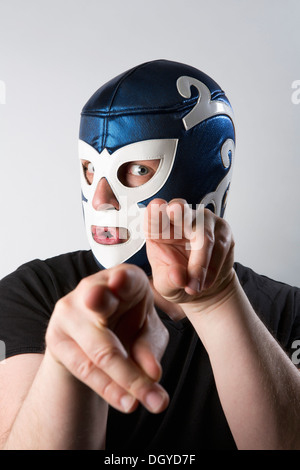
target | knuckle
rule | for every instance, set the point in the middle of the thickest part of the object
(135, 385)
(107, 391)
(63, 304)
(223, 226)
(104, 358)
(63, 307)
(81, 369)
(222, 240)
(208, 214)
(223, 235)
(132, 269)
(208, 235)
(84, 283)
(60, 317)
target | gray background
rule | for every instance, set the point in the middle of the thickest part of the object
(55, 54)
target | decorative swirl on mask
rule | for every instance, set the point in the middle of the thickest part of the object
(227, 152)
(205, 106)
(216, 198)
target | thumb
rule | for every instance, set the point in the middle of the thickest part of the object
(150, 346)
(168, 278)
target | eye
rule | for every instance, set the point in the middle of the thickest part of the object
(88, 170)
(138, 170)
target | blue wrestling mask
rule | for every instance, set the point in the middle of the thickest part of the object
(159, 110)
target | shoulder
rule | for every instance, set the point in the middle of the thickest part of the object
(29, 294)
(260, 286)
(80, 263)
(50, 278)
(275, 302)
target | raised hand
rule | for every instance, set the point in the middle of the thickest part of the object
(107, 334)
(196, 260)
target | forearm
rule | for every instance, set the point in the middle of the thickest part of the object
(59, 412)
(258, 385)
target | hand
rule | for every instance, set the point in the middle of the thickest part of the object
(193, 263)
(107, 334)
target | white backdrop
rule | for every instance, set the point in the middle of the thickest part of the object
(55, 54)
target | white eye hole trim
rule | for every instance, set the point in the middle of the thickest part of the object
(107, 165)
(137, 173)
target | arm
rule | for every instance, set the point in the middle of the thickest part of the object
(103, 346)
(258, 385)
(55, 411)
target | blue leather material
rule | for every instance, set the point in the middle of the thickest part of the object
(139, 104)
(156, 79)
(198, 166)
(144, 103)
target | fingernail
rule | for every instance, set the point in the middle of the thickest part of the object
(194, 284)
(154, 400)
(127, 402)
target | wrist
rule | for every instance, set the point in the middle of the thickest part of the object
(216, 317)
(213, 299)
(58, 373)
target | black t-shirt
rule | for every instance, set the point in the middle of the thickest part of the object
(194, 419)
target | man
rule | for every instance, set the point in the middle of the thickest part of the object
(92, 363)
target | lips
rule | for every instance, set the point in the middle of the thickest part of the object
(109, 235)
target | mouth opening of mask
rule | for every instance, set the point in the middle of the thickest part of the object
(109, 235)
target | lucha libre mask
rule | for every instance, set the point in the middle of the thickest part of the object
(160, 110)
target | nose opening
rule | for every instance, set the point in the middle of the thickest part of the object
(104, 198)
